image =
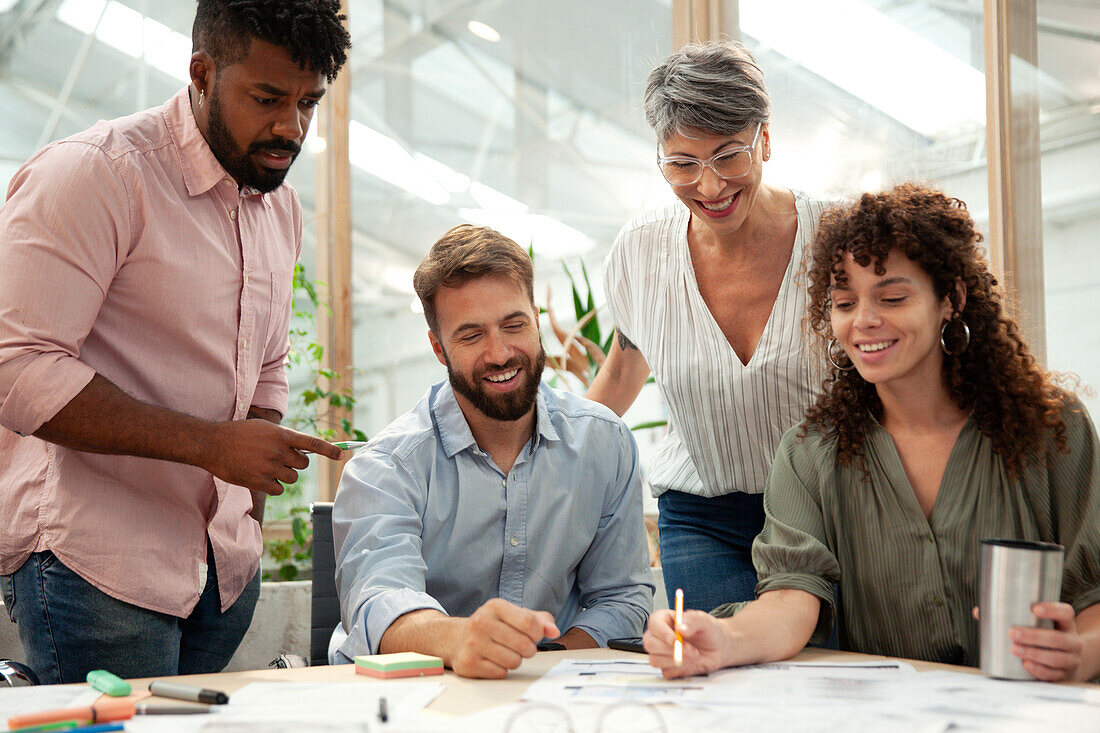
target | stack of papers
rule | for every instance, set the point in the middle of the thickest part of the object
(25, 700)
(325, 707)
(810, 696)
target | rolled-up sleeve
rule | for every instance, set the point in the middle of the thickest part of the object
(380, 570)
(791, 551)
(614, 577)
(64, 232)
(1075, 498)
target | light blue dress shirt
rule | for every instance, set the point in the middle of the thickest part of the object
(425, 519)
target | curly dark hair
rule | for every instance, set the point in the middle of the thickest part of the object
(311, 31)
(1014, 402)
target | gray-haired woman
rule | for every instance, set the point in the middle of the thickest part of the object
(704, 296)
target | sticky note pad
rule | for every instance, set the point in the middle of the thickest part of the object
(402, 664)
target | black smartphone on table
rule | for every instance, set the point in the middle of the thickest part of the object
(629, 644)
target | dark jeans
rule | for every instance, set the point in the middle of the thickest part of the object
(706, 546)
(68, 627)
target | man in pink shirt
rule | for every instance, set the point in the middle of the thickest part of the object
(145, 279)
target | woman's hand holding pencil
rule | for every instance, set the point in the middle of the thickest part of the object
(684, 643)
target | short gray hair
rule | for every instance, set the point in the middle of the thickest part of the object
(714, 88)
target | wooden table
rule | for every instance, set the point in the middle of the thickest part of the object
(463, 696)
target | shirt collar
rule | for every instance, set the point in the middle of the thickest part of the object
(201, 169)
(543, 427)
(454, 431)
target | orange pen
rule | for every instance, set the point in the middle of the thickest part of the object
(100, 712)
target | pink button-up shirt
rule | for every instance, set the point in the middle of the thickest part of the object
(127, 250)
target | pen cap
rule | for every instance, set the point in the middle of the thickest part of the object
(108, 683)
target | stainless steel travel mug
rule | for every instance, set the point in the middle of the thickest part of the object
(1015, 574)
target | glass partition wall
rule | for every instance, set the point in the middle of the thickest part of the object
(1067, 70)
(526, 116)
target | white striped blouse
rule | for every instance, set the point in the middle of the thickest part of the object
(725, 417)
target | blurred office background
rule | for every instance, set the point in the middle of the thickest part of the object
(525, 115)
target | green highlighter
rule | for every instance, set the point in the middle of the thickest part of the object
(108, 683)
(350, 444)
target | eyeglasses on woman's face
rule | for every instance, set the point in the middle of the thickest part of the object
(730, 163)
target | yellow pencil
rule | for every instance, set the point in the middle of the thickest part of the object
(678, 645)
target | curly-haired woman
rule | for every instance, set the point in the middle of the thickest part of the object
(936, 429)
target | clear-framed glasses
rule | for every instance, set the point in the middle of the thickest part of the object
(620, 717)
(683, 170)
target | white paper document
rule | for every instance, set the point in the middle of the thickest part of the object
(324, 707)
(327, 702)
(814, 696)
(25, 700)
(974, 702)
(606, 681)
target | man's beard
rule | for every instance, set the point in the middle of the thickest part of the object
(506, 406)
(240, 165)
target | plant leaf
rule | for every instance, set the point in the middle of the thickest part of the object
(288, 571)
(650, 424)
(298, 526)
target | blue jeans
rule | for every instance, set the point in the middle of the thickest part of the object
(706, 546)
(68, 627)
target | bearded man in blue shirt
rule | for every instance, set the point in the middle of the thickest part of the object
(498, 512)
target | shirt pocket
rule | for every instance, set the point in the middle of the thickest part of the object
(278, 312)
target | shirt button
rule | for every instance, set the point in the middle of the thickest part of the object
(514, 542)
(937, 602)
(233, 214)
(228, 181)
(504, 483)
(240, 405)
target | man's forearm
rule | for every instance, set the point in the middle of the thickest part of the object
(426, 631)
(577, 639)
(104, 419)
(251, 453)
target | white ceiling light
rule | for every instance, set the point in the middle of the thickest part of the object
(873, 57)
(315, 144)
(871, 181)
(451, 179)
(128, 31)
(482, 30)
(385, 158)
(493, 200)
(6, 5)
(399, 278)
(548, 236)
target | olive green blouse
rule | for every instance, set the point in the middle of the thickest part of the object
(908, 584)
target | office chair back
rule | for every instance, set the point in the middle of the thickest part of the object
(325, 608)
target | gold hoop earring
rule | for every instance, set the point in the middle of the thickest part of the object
(830, 352)
(965, 337)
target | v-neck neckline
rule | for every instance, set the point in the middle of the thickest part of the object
(899, 479)
(695, 292)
